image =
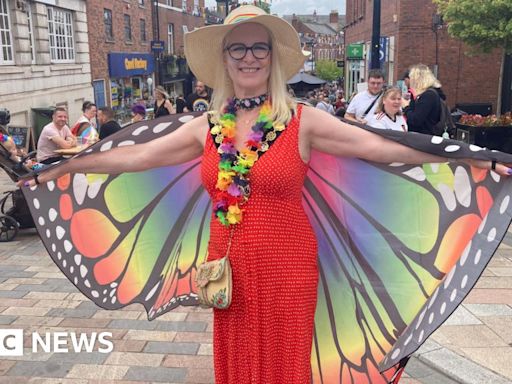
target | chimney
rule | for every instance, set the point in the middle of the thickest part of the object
(333, 17)
(295, 22)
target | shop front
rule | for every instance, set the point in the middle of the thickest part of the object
(131, 80)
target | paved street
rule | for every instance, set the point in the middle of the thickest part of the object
(473, 346)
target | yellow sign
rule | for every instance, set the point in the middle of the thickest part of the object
(130, 64)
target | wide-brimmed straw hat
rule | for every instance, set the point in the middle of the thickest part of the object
(162, 90)
(203, 46)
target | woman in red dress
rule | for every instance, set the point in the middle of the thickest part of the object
(255, 180)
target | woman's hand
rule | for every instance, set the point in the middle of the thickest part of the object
(501, 169)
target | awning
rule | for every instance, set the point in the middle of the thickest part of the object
(305, 78)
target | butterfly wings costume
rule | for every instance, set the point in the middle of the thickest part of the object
(399, 246)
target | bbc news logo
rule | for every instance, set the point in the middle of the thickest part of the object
(11, 342)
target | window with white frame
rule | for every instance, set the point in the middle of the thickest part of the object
(31, 34)
(127, 28)
(184, 5)
(6, 53)
(60, 31)
(143, 37)
(170, 39)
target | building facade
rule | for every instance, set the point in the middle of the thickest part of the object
(44, 60)
(412, 32)
(175, 18)
(120, 33)
(321, 35)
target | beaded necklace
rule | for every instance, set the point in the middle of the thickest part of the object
(232, 186)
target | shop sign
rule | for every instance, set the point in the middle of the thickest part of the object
(355, 51)
(130, 64)
(157, 45)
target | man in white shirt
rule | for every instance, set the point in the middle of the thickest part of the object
(364, 103)
(55, 135)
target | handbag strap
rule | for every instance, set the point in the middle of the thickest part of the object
(371, 105)
(230, 241)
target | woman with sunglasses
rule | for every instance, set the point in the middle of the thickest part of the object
(255, 147)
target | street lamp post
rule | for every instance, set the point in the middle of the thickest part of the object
(375, 55)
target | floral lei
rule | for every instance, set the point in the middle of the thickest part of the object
(233, 187)
(4, 138)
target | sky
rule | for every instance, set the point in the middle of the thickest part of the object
(301, 7)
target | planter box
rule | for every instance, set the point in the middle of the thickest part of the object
(499, 138)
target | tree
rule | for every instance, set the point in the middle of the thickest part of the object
(483, 25)
(327, 70)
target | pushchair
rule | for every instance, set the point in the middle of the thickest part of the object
(13, 216)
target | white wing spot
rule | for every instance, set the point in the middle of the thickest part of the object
(60, 232)
(52, 214)
(41, 221)
(139, 130)
(78, 259)
(186, 118)
(416, 173)
(161, 127)
(477, 256)
(36, 203)
(452, 148)
(464, 282)
(492, 235)
(504, 204)
(68, 246)
(107, 146)
(126, 143)
(50, 185)
(475, 148)
(436, 140)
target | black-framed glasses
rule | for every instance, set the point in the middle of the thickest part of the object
(238, 51)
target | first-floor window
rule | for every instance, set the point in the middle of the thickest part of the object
(143, 37)
(60, 31)
(6, 54)
(170, 39)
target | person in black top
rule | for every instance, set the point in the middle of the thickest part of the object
(200, 100)
(163, 106)
(424, 112)
(180, 104)
(108, 125)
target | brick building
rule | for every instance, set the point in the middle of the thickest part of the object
(44, 60)
(175, 18)
(321, 35)
(411, 33)
(121, 59)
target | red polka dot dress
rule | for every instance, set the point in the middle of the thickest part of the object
(265, 337)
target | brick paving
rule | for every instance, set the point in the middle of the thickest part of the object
(473, 346)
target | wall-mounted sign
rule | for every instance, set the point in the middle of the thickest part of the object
(130, 64)
(355, 51)
(157, 45)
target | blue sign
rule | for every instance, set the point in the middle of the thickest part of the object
(383, 47)
(130, 64)
(157, 45)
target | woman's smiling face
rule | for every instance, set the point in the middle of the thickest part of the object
(249, 72)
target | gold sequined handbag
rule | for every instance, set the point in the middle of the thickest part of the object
(214, 283)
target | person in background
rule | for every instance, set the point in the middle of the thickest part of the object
(55, 135)
(138, 113)
(425, 112)
(85, 121)
(199, 100)
(364, 103)
(388, 114)
(163, 106)
(180, 103)
(323, 103)
(108, 125)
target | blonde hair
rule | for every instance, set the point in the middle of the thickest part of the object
(282, 103)
(422, 78)
(387, 92)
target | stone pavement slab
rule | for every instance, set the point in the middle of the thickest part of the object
(473, 346)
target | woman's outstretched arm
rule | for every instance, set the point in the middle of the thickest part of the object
(325, 133)
(186, 143)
